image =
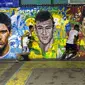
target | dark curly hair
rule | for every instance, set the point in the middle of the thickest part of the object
(4, 19)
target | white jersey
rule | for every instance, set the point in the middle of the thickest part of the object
(25, 41)
(9, 55)
(72, 33)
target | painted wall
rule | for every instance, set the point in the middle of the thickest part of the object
(65, 17)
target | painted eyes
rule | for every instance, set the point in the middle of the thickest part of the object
(3, 31)
(44, 27)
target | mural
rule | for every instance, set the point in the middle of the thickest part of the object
(65, 17)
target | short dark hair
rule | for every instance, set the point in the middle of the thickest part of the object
(4, 19)
(43, 16)
(76, 27)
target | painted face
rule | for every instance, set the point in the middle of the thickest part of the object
(44, 31)
(4, 34)
(83, 23)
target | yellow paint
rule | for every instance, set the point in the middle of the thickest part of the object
(82, 42)
(61, 42)
(30, 21)
(20, 77)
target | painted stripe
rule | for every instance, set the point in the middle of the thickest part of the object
(22, 75)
